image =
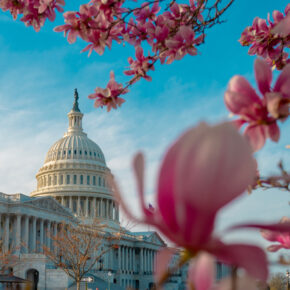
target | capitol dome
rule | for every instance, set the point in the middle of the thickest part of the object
(75, 173)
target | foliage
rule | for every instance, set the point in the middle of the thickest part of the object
(278, 282)
(77, 248)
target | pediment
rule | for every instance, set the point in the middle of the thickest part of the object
(50, 204)
(156, 239)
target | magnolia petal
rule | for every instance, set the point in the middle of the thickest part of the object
(283, 27)
(283, 82)
(251, 258)
(263, 75)
(138, 165)
(274, 248)
(201, 273)
(240, 85)
(276, 227)
(209, 173)
(273, 102)
(256, 135)
(139, 53)
(274, 132)
(269, 235)
(162, 262)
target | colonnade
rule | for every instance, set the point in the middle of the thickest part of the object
(129, 263)
(91, 207)
(26, 234)
(70, 179)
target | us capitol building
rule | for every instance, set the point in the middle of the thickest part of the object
(72, 188)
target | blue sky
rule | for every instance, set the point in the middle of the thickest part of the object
(40, 70)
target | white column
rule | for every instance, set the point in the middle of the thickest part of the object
(111, 209)
(134, 260)
(62, 201)
(6, 233)
(78, 206)
(94, 209)
(131, 261)
(107, 208)
(117, 212)
(26, 234)
(71, 203)
(54, 234)
(141, 261)
(41, 235)
(123, 258)
(119, 258)
(101, 208)
(48, 234)
(18, 234)
(33, 240)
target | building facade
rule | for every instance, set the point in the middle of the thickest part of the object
(72, 188)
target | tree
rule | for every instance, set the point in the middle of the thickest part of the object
(278, 282)
(7, 258)
(77, 248)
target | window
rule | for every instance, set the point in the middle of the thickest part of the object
(75, 179)
(75, 152)
(81, 179)
(86, 153)
(69, 152)
(94, 180)
(49, 180)
(88, 180)
(80, 152)
(64, 152)
(90, 153)
(61, 179)
(95, 154)
(100, 181)
(54, 180)
(68, 179)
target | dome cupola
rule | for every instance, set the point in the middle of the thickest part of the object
(75, 173)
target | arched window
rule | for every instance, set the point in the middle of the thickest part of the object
(61, 179)
(100, 181)
(68, 179)
(81, 179)
(88, 180)
(94, 180)
(75, 179)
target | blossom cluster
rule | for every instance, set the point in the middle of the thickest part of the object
(269, 40)
(169, 32)
(260, 114)
(34, 12)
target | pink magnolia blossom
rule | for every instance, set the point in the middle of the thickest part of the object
(140, 66)
(109, 96)
(200, 174)
(269, 40)
(34, 13)
(144, 12)
(283, 238)
(260, 114)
